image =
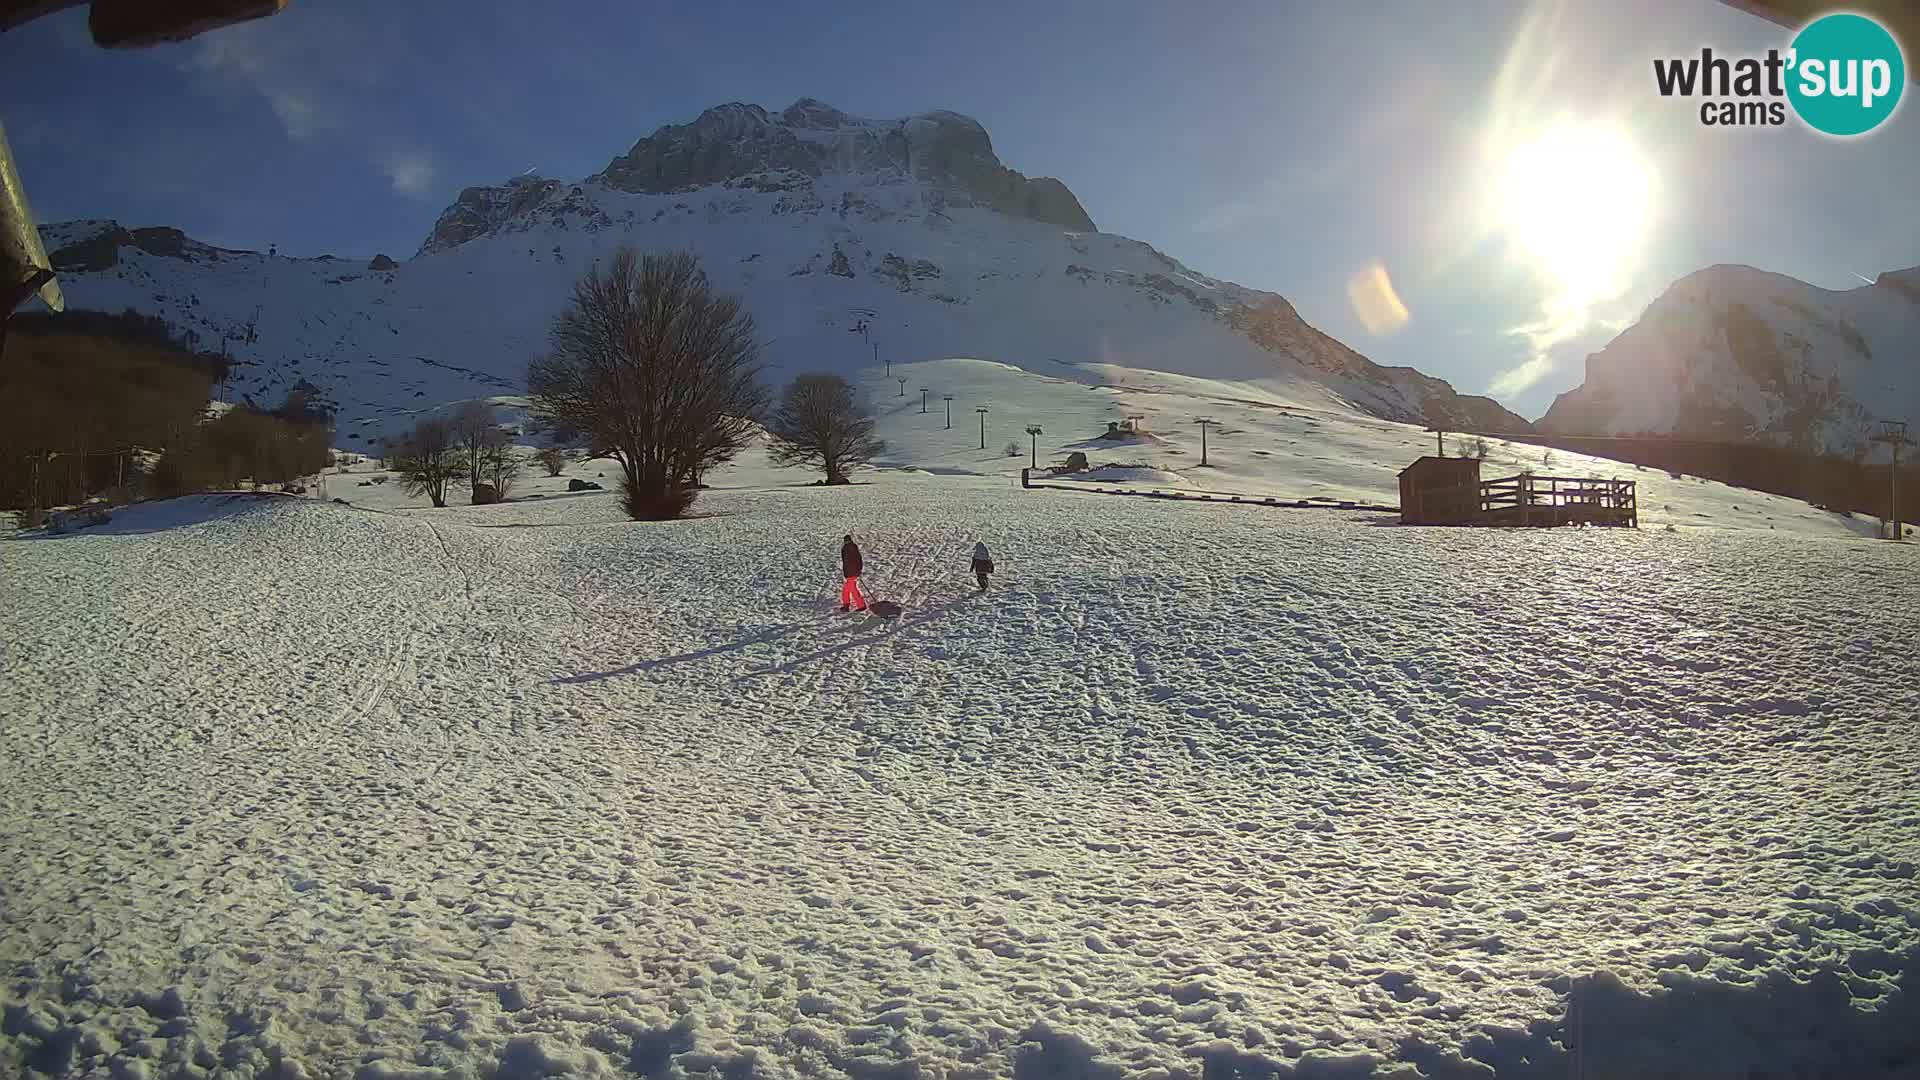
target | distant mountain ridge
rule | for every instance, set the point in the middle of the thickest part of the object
(739, 144)
(1732, 353)
(824, 222)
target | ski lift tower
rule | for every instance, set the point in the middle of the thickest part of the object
(1894, 434)
(863, 326)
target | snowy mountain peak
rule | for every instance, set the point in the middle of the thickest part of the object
(1738, 354)
(743, 145)
(814, 114)
(908, 232)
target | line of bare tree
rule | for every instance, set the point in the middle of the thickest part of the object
(469, 444)
(650, 365)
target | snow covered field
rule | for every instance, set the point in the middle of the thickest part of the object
(293, 789)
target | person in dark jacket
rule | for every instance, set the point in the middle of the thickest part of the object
(850, 567)
(982, 563)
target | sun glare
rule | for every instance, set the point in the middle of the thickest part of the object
(1576, 201)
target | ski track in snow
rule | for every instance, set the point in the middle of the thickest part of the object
(293, 789)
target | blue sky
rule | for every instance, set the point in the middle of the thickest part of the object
(1286, 146)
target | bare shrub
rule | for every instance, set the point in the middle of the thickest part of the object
(427, 459)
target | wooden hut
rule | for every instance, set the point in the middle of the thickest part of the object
(1449, 491)
(1440, 491)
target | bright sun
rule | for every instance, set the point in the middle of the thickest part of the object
(1576, 200)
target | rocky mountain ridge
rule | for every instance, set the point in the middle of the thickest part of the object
(744, 146)
(1736, 354)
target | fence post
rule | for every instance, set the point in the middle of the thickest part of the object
(1023, 478)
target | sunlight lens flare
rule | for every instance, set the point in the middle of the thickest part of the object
(1576, 201)
(1375, 302)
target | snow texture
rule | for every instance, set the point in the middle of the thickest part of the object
(295, 789)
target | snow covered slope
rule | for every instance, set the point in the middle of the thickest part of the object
(524, 791)
(821, 220)
(1263, 443)
(1734, 353)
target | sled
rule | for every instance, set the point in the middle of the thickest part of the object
(886, 609)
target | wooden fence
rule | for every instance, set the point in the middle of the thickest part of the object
(1529, 500)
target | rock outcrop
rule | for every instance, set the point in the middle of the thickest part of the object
(523, 201)
(101, 251)
(744, 146)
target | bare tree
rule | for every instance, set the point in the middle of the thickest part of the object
(427, 459)
(655, 369)
(492, 465)
(499, 467)
(476, 431)
(553, 459)
(821, 425)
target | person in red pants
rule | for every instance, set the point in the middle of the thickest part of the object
(850, 567)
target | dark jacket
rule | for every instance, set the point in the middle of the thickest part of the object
(850, 564)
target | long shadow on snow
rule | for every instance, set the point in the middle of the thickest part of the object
(664, 661)
(163, 515)
(934, 612)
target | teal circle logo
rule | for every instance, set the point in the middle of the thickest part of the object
(1845, 74)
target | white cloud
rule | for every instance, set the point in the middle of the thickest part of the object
(411, 172)
(321, 72)
(1229, 216)
(1521, 377)
(244, 53)
(1562, 334)
(1279, 197)
(296, 114)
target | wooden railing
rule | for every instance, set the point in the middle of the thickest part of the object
(1559, 496)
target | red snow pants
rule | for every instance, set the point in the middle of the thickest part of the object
(850, 595)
